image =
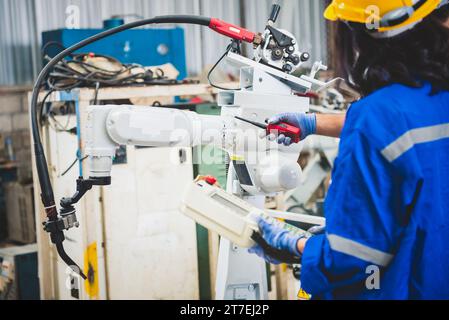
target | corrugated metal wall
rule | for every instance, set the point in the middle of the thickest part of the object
(18, 41)
(22, 21)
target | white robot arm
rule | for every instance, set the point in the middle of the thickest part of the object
(263, 167)
(111, 125)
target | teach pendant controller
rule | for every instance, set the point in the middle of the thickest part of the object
(223, 213)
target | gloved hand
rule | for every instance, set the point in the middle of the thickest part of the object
(257, 250)
(303, 121)
(276, 237)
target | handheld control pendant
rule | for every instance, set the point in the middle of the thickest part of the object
(227, 215)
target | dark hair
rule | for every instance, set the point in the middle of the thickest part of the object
(420, 54)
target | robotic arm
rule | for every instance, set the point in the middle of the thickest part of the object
(110, 126)
(267, 88)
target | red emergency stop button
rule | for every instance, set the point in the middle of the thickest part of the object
(211, 180)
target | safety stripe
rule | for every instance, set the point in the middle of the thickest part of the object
(358, 250)
(236, 158)
(412, 137)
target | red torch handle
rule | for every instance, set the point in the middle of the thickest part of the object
(286, 129)
(231, 30)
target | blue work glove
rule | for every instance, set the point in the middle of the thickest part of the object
(276, 237)
(257, 250)
(304, 121)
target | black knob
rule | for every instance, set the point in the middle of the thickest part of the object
(305, 56)
(287, 67)
(295, 60)
(277, 54)
(274, 12)
(290, 49)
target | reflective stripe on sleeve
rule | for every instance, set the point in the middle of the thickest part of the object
(358, 250)
(420, 135)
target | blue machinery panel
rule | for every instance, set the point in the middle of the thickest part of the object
(148, 47)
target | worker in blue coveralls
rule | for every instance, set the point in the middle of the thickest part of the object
(387, 208)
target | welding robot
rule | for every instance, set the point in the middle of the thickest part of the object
(257, 167)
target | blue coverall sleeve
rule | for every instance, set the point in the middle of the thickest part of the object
(364, 212)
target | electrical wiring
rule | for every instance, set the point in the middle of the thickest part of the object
(48, 45)
(50, 115)
(233, 46)
(73, 164)
(78, 72)
(44, 101)
(58, 127)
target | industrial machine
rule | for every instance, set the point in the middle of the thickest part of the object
(257, 167)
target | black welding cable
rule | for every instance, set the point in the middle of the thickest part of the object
(65, 257)
(47, 195)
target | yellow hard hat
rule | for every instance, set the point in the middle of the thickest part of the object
(390, 14)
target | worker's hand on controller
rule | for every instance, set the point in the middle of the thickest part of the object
(305, 122)
(276, 237)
